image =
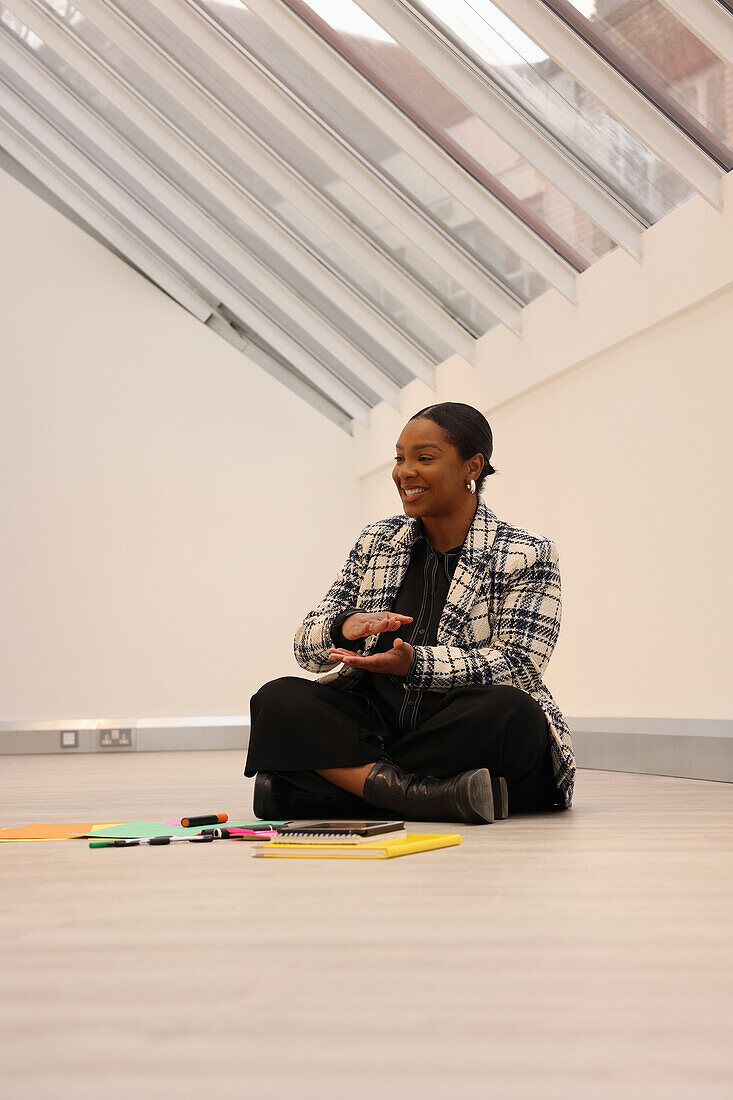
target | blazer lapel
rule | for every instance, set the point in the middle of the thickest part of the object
(398, 561)
(472, 566)
(391, 568)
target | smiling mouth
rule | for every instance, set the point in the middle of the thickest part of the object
(412, 494)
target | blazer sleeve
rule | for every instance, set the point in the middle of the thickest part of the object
(313, 638)
(521, 645)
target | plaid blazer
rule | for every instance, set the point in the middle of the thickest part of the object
(499, 625)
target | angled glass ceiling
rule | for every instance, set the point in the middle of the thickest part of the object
(236, 162)
(461, 133)
(291, 146)
(602, 143)
(402, 171)
(666, 60)
(553, 99)
(349, 193)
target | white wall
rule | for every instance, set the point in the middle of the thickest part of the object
(153, 481)
(611, 423)
(169, 511)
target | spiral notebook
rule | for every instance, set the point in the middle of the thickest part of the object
(386, 848)
(339, 832)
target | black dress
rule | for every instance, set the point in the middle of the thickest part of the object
(299, 725)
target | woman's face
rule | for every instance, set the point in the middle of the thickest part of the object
(428, 471)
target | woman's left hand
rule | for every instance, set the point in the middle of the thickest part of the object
(395, 661)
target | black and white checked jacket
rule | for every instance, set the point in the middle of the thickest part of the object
(499, 624)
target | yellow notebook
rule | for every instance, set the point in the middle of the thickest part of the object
(377, 849)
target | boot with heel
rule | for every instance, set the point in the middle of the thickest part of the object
(472, 797)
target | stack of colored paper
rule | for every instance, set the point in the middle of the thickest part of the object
(70, 830)
(134, 829)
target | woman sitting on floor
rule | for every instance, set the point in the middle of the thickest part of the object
(443, 621)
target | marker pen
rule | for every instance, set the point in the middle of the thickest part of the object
(223, 833)
(206, 819)
(133, 842)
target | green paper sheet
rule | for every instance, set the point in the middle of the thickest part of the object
(131, 829)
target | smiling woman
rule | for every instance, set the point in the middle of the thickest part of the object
(441, 449)
(441, 622)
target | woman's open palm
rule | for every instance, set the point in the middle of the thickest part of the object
(395, 662)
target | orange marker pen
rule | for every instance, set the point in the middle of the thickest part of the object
(207, 819)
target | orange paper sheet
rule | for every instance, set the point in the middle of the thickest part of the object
(53, 831)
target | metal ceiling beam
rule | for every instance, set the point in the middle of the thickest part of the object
(422, 40)
(274, 367)
(148, 180)
(708, 21)
(400, 130)
(101, 221)
(224, 190)
(618, 96)
(209, 112)
(386, 200)
(111, 197)
(146, 261)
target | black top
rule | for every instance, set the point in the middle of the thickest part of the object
(422, 594)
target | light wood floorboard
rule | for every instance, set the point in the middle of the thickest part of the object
(579, 954)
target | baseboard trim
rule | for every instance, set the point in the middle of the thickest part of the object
(145, 735)
(687, 748)
(683, 747)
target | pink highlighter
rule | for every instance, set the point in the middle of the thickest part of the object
(221, 832)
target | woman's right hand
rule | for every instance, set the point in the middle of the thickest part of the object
(361, 625)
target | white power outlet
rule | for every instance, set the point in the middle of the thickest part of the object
(115, 739)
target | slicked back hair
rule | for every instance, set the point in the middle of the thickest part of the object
(467, 429)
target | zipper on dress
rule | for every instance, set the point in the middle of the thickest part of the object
(431, 564)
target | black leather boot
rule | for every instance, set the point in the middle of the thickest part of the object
(467, 797)
(500, 792)
(277, 800)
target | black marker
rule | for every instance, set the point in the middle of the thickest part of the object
(132, 843)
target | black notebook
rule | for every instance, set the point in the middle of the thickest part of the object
(337, 832)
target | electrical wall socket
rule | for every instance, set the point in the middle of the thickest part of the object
(115, 739)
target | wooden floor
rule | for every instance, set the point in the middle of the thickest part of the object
(579, 954)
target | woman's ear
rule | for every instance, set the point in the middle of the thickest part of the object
(475, 466)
